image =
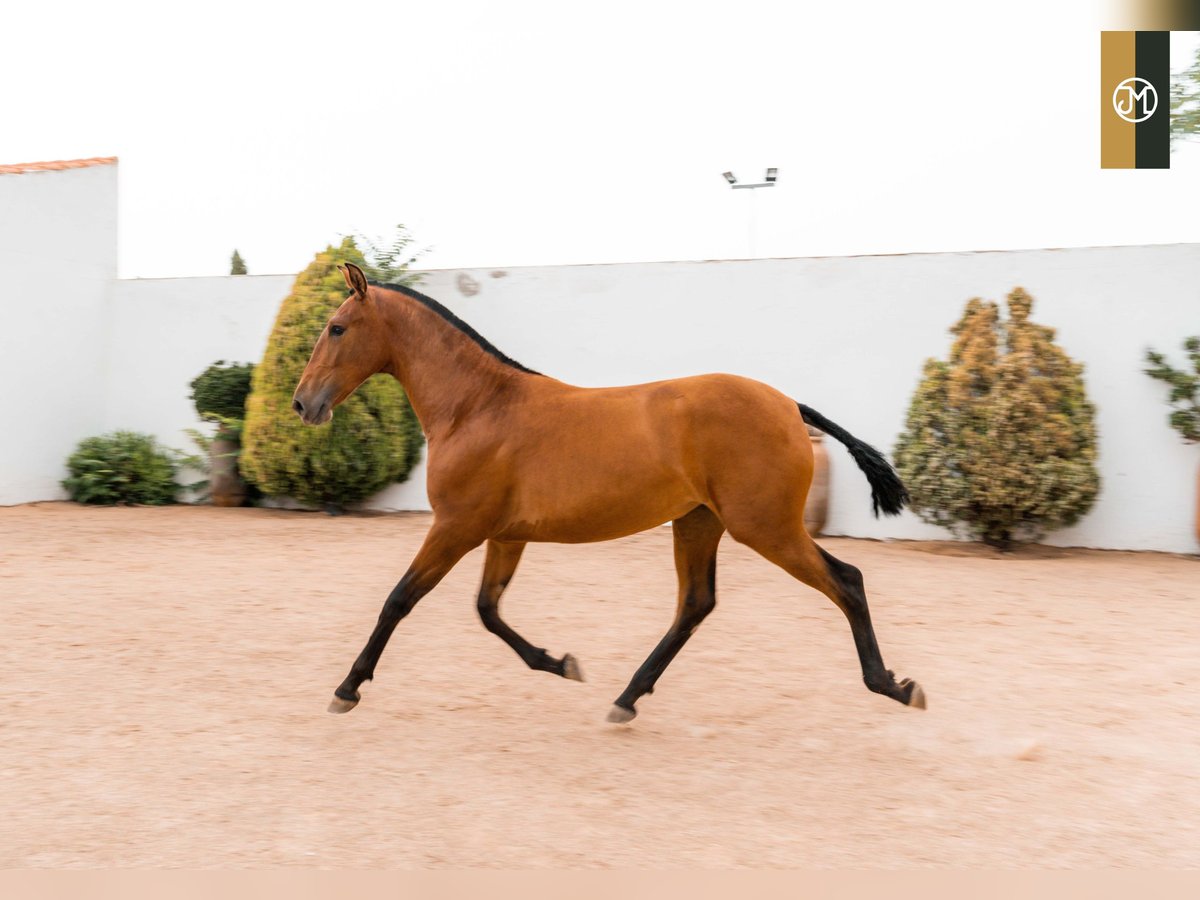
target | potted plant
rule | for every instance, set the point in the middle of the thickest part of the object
(219, 394)
(1184, 398)
(816, 507)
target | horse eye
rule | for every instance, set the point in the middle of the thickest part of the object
(336, 330)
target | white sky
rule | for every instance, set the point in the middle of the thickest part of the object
(522, 133)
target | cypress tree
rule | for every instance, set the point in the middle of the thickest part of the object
(237, 265)
(374, 437)
(1000, 440)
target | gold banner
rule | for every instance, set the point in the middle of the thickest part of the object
(1118, 137)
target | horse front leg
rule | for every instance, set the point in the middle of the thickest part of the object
(444, 546)
(498, 568)
(696, 538)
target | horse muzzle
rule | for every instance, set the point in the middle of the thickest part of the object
(316, 410)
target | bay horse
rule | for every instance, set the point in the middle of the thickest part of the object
(516, 456)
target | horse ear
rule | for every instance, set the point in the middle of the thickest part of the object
(355, 279)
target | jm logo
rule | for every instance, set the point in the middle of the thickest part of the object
(1132, 95)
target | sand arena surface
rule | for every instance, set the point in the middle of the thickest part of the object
(167, 673)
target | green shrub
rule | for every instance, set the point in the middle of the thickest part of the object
(373, 439)
(122, 467)
(1185, 389)
(220, 391)
(1000, 441)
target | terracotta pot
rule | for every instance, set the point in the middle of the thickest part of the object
(816, 507)
(225, 482)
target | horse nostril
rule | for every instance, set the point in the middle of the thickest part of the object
(298, 406)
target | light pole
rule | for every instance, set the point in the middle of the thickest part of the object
(768, 181)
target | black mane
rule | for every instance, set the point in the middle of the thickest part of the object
(458, 323)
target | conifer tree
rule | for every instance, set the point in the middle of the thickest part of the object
(1000, 440)
(374, 437)
(237, 265)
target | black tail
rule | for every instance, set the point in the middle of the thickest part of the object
(887, 490)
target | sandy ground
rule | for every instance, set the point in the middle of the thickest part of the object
(167, 671)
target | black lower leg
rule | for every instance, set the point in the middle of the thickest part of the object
(534, 657)
(444, 546)
(696, 537)
(852, 600)
(399, 604)
(498, 568)
(656, 663)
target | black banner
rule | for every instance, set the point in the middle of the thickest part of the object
(1154, 66)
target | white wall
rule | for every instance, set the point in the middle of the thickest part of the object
(166, 331)
(845, 335)
(58, 263)
(848, 336)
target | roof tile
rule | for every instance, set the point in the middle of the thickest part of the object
(57, 166)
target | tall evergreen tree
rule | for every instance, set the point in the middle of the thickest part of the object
(1000, 440)
(237, 265)
(374, 437)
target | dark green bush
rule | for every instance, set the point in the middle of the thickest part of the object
(220, 391)
(374, 438)
(122, 467)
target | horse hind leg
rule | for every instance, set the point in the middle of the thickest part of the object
(499, 565)
(842, 583)
(851, 598)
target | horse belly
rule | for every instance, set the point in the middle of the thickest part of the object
(595, 496)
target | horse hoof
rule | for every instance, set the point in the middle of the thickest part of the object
(337, 705)
(917, 697)
(571, 668)
(619, 715)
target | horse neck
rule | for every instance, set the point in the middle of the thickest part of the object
(445, 373)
